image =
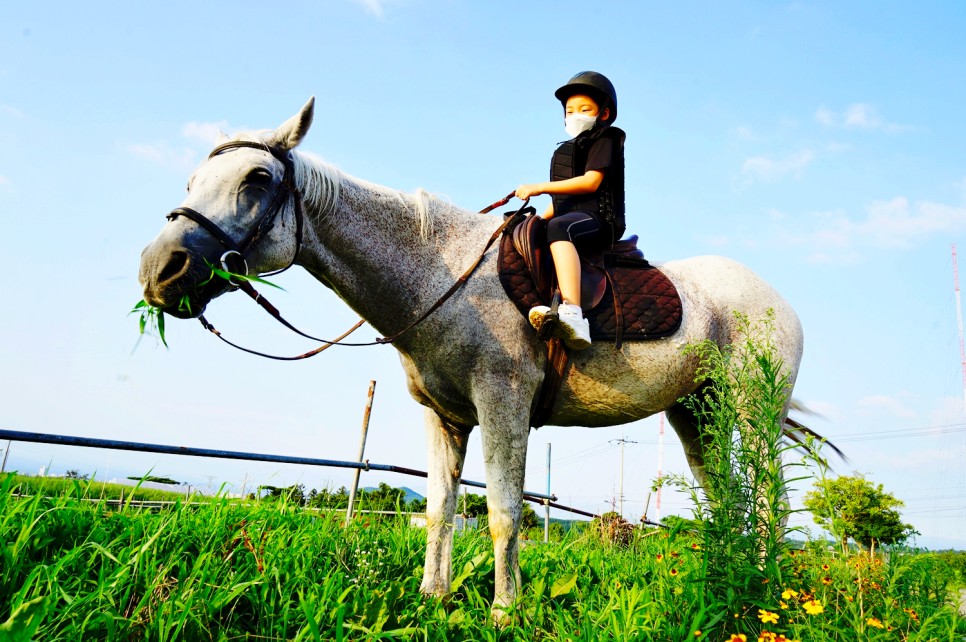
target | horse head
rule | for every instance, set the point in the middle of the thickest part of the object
(242, 215)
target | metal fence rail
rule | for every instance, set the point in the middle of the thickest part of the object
(111, 444)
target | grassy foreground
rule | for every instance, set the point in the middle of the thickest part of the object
(72, 570)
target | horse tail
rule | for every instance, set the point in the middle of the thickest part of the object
(802, 435)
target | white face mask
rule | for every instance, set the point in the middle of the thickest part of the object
(576, 124)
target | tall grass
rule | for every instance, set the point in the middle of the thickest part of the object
(223, 570)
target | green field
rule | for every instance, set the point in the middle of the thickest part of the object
(222, 569)
(74, 570)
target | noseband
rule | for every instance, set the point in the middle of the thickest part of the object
(233, 259)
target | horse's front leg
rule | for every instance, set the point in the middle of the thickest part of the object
(505, 430)
(447, 450)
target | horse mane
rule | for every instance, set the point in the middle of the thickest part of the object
(320, 185)
(319, 182)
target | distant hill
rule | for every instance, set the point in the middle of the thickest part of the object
(408, 497)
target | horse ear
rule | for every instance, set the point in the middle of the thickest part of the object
(293, 130)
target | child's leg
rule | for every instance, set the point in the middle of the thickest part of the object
(567, 263)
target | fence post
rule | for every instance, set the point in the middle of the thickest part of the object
(6, 452)
(546, 502)
(362, 451)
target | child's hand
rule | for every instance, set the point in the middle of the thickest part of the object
(526, 191)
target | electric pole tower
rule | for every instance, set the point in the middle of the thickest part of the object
(620, 493)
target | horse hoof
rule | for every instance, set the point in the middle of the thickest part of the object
(500, 618)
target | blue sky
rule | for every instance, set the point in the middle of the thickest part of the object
(819, 143)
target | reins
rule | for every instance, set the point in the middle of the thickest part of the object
(247, 288)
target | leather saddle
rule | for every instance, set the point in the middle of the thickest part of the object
(624, 297)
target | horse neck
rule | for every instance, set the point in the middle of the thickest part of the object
(390, 254)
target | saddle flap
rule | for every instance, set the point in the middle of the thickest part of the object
(530, 240)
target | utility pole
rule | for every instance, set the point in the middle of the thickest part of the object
(660, 470)
(959, 320)
(620, 494)
(362, 451)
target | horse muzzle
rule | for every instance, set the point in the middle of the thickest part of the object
(177, 281)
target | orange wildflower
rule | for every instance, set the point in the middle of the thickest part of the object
(738, 637)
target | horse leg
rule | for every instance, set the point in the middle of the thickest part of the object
(505, 435)
(685, 424)
(447, 450)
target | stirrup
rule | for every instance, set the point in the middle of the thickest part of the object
(551, 319)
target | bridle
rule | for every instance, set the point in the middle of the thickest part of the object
(233, 259)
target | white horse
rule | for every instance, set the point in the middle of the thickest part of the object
(475, 361)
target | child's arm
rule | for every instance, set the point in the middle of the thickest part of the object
(586, 184)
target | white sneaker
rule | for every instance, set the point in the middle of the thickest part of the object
(573, 328)
(537, 316)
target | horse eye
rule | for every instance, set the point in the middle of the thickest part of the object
(259, 177)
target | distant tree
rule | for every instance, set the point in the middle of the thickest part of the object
(75, 474)
(156, 480)
(529, 517)
(326, 498)
(469, 504)
(385, 497)
(851, 507)
(294, 494)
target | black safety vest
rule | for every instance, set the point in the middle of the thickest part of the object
(607, 203)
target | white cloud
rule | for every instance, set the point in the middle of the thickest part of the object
(878, 404)
(10, 109)
(837, 238)
(769, 169)
(373, 7)
(4, 181)
(856, 116)
(207, 133)
(163, 154)
(898, 224)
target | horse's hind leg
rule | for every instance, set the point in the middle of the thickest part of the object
(447, 450)
(685, 424)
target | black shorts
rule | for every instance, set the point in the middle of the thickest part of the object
(580, 228)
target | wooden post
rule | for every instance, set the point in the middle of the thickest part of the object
(546, 503)
(6, 452)
(362, 451)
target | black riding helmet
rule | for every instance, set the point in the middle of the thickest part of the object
(592, 84)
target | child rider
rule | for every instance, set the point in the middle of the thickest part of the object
(587, 188)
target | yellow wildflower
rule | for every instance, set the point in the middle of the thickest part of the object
(767, 636)
(788, 594)
(876, 622)
(738, 637)
(767, 617)
(813, 607)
